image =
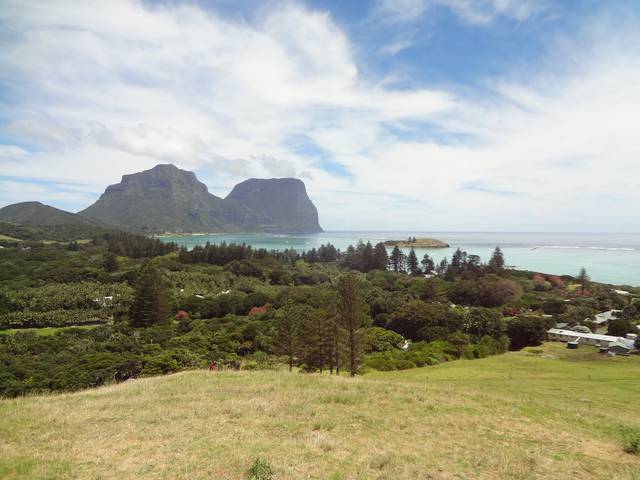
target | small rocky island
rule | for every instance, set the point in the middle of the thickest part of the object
(417, 243)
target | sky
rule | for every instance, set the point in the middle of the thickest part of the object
(419, 115)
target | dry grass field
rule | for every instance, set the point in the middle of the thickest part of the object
(541, 413)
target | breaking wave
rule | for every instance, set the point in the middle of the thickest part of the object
(579, 247)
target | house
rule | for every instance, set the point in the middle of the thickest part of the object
(259, 310)
(603, 318)
(558, 335)
(619, 348)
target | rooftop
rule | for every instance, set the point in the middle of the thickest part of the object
(592, 336)
(606, 316)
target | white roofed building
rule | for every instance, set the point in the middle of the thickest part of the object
(604, 317)
(559, 335)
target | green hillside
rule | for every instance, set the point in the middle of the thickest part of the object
(539, 413)
(36, 221)
(59, 233)
(38, 214)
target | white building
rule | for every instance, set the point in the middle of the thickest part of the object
(604, 317)
(558, 335)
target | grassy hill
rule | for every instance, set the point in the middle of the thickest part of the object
(38, 214)
(540, 413)
(36, 221)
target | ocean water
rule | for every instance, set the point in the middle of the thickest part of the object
(609, 258)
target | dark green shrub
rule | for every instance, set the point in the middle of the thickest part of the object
(260, 470)
(632, 442)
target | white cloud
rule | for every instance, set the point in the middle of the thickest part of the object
(111, 88)
(470, 11)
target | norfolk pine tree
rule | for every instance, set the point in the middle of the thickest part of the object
(583, 278)
(496, 263)
(412, 263)
(397, 260)
(427, 264)
(380, 257)
(288, 332)
(151, 303)
(353, 317)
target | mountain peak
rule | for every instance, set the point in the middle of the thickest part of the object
(282, 201)
(166, 198)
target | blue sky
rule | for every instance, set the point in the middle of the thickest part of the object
(404, 114)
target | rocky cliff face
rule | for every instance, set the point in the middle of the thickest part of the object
(168, 199)
(282, 202)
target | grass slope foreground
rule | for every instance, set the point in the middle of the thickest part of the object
(538, 413)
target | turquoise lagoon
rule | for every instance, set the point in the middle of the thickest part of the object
(610, 258)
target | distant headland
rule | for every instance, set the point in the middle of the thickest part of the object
(417, 243)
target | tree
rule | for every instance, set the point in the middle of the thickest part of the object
(496, 263)
(150, 304)
(443, 266)
(352, 259)
(327, 253)
(459, 260)
(288, 332)
(381, 339)
(459, 340)
(620, 327)
(398, 260)
(427, 264)
(583, 278)
(528, 331)
(484, 321)
(433, 291)
(380, 257)
(412, 263)
(494, 291)
(110, 262)
(353, 317)
(316, 345)
(414, 318)
(367, 257)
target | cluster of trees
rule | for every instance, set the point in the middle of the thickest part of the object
(325, 336)
(53, 318)
(69, 296)
(324, 254)
(78, 358)
(316, 309)
(431, 321)
(365, 257)
(223, 253)
(401, 263)
(135, 246)
(60, 233)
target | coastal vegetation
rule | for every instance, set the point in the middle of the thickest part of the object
(317, 357)
(124, 306)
